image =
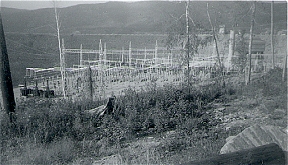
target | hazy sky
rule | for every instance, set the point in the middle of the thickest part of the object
(36, 4)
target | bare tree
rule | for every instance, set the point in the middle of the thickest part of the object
(188, 43)
(90, 83)
(285, 59)
(272, 33)
(284, 67)
(253, 8)
(181, 34)
(61, 54)
(7, 94)
(217, 51)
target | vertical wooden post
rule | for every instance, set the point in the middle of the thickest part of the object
(171, 58)
(130, 54)
(105, 55)
(122, 56)
(62, 69)
(145, 55)
(250, 42)
(81, 56)
(100, 51)
(100, 69)
(7, 95)
(231, 49)
(36, 92)
(156, 49)
(90, 85)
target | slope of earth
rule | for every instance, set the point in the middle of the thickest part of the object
(263, 102)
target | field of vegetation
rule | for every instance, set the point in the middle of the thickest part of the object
(168, 125)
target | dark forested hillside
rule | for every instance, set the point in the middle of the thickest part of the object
(152, 17)
(32, 42)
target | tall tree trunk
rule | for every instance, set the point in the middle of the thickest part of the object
(285, 59)
(250, 41)
(284, 67)
(188, 45)
(61, 53)
(272, 33)
(217, 51)
(90, 83)
(7, 94)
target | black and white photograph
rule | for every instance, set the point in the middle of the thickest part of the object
(132, 82)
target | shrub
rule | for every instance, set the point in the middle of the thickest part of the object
(43, 124)
(27, 152)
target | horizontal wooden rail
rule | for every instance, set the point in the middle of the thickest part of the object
(266, 154)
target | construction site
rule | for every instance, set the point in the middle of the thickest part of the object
(102, 73)
(133, 84)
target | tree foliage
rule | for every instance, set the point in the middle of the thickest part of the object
(177, 37)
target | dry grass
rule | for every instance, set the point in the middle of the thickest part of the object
(183, 130)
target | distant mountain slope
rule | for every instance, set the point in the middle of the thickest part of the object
(150, 16)
(27, 48)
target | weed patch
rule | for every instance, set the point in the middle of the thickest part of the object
(58, 132)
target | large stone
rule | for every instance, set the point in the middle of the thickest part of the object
(255, 136)
(113, 159)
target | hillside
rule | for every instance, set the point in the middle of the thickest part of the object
(31, 39)
(128, 115)
(151, 17)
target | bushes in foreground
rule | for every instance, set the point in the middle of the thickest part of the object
(45, 124)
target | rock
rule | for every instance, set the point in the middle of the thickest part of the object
(255, 136)
(113, 159)
(170, 134)
(278, 114)
(220, 109)
(229, 138)
(205, 135)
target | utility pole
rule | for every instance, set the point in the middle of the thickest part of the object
(7, 95)
(272, 33)
(250, 41)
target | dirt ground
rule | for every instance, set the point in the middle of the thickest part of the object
(234, 115)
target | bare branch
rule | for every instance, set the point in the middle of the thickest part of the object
(215, 40)
(192, 20)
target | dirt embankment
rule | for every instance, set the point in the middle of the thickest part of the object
(263, 102)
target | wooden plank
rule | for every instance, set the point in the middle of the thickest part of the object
(266, 154)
